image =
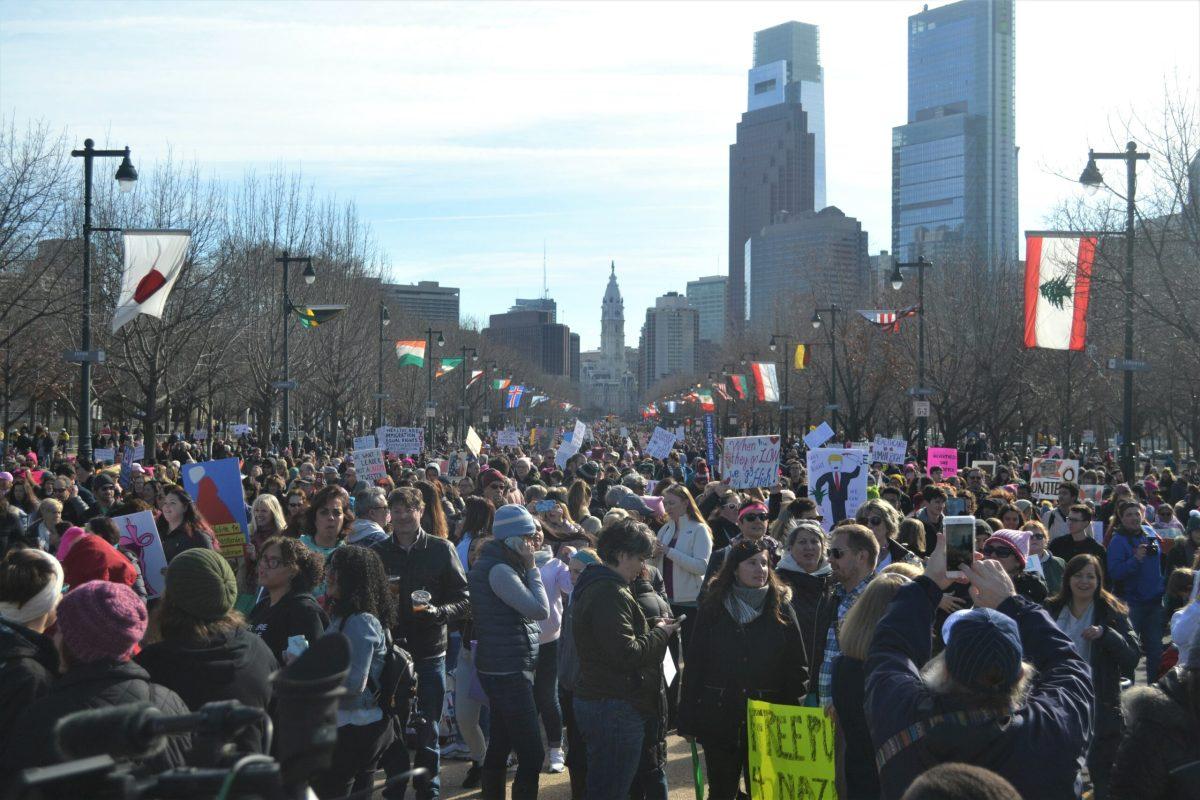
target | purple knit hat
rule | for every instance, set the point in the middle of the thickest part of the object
(1017, 540)
(101, 621)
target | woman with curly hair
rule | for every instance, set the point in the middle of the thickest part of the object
(287, 573)
(362, 610)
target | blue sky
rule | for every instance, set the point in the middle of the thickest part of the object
(470, 133)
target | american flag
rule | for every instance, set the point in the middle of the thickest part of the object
(888, 320)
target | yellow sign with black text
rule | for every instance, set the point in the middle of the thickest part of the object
(791, 752)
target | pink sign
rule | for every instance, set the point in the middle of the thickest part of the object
(944, 457)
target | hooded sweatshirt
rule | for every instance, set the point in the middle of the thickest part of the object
(93, 559)
(233, 665)
(365, 533)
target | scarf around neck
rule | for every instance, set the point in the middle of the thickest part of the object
(745, 604)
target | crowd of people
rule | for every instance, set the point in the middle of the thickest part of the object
(571, 617)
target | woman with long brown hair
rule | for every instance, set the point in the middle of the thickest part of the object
(1098, 624)
(182, 526)
(745, 645)
(433, 519)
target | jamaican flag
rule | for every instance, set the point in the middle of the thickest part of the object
(312, 316)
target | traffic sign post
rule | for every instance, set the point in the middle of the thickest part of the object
(921, 409)
(1127, 365)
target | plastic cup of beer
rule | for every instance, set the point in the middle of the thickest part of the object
(420, 600)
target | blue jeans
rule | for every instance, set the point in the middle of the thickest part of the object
(514, 727)
(1147, 621)
(545, 692)
(431, 694)
(613, 731)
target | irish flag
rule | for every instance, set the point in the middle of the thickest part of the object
(1058, 276)
(411, 352)
(766, 385)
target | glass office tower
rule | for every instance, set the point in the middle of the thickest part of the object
(954, 165)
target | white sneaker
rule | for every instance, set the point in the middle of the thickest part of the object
(557, 762)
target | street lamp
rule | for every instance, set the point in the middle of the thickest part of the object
(832, 311)
(125, 176)
(430, 409)
(488, 368)
(920, 392)
(784, 408)
(1092, 180)
(464, 369)
(745, 359)
(384, 320)
(287, 384)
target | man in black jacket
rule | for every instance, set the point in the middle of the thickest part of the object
(418, 562)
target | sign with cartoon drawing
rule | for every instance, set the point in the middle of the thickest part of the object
(837, 482)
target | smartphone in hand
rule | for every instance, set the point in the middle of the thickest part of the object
(960, 543)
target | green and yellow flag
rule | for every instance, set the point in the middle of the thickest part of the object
(312, 316)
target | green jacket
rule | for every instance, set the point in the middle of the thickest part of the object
(620, 655)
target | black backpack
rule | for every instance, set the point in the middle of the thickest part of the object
(397, 684)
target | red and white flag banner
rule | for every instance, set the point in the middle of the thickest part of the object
(153, 261)
(1058, 278)
(766, 384)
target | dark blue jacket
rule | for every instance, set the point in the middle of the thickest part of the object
(1136, 582)
(1036, 749)
(508, 642)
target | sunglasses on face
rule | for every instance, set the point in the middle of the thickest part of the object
(755, 517)
(997, 552)
(872, 521)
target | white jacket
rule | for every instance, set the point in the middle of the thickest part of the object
(688, 556)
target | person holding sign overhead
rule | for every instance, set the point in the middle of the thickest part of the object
(745, 645)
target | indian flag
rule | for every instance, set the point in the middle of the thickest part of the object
(411, 352)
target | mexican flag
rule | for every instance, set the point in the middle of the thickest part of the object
(766, 385)
(411, 352)
(312, 316)
(705, 398)
(1058, 277)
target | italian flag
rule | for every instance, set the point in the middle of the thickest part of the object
(766, 385)
(705, 398)
(1058, 277)
(411, 352)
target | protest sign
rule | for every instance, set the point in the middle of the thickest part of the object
(888, 451)
(508, 438)
(680, 433)
(818, 436)
(661, 443)
(139, 452)
(751, 461)
(837, 482)
(473, 442)
(369, 463)
(1045, 475)
(580, 433)
(565, 450)
(791, 752)
(364, 442)
(1091, 491)
(126, 467)
(107, 455)
(987, 466)
(139, 535)
(944, 457)
(400, 441)
(200, 434)
(624, 432)
(710, 438)
(241, 430)
(216, 488)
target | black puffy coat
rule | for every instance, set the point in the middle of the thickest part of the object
(28, 665)
(728, 663)
(100, 684)
(808, 598)
(1163, 734)
(234, 665)
(296, 614)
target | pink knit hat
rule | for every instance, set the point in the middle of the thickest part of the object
(1017, 540)
(101, 621)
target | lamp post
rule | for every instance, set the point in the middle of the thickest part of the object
(488, 368)
(832, 311)
(731, 407)
(920, 392)
(1093, 180)
(463, 367)
(125, 176)
(784, 407)
(285, 432)
(384, 320)
(430, 409)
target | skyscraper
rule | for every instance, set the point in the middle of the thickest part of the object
(707, 295)
(954, 165)
(670, 340)
(773, 164)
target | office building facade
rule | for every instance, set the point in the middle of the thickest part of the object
(772, 164)
(535, 338)
(816, 256)
(707, 296)
(954, 165)
(670, 341)
(427, 302)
